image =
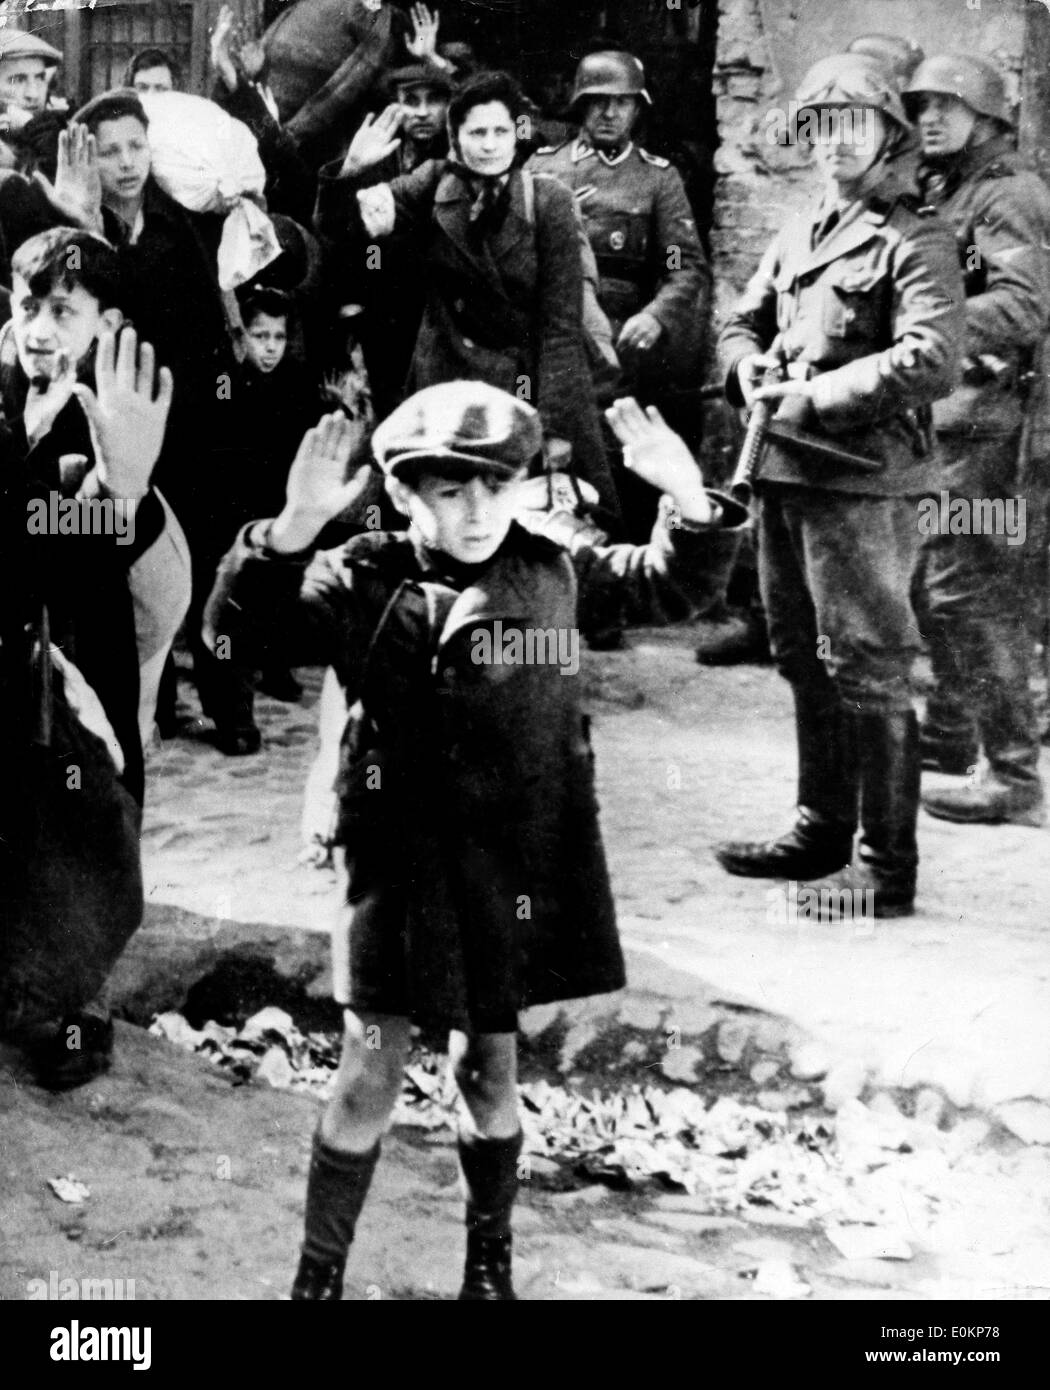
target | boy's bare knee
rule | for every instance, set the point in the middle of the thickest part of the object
(484, 1068)
(375, 1048)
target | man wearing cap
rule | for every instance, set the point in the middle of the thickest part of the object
(27, 68)
(410, 131)
(477, 879)
(855, 311)
(973, 600)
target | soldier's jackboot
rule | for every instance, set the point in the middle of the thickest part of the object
(490, 1179)
(335, 1193)
(1010, 788)
(821, 840)
(880, 882)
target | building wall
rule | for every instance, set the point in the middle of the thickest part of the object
(764, 47)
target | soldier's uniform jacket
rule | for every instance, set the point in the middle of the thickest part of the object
(873, 311)
(1000, 213)
(484, 799)
(635, 217)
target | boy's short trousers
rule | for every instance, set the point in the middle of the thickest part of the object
(368, 976)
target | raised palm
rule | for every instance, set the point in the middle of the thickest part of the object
(423, 43)
(77, 190)
(317, 483)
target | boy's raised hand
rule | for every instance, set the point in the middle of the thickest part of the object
(318, 488)
(659, 456)
(126, 420)
(77, 190)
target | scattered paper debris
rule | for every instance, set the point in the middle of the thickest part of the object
(777, 1279)
(69, 1189)
(868, 1242)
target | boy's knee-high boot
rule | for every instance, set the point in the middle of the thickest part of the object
(490, 1179)
(821, 840)
(335, 1193)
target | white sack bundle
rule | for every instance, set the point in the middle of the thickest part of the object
(208, 162)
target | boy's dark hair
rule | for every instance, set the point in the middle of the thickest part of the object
(152, 58)
(482, 88)
(266, 300)
(67, 257)
(112, 106)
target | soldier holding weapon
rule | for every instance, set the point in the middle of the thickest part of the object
(849, 328)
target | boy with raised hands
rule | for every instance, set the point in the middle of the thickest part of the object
(477, 883)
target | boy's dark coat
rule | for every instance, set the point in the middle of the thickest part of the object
(477, 876)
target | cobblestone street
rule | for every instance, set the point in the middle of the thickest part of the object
(913, 1056)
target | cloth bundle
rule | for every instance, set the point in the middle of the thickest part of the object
(209, 162)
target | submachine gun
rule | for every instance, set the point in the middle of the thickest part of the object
(762, 426)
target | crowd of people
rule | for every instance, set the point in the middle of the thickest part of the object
(320, 458)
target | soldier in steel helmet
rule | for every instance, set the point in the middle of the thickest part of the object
(477, 881)
(856, 307)
(653, 276)
(972, 598)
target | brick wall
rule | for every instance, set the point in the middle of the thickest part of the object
(764, 46)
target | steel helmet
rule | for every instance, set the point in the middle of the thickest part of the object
(899, 56)
(975, 81)
(610, 74)
(852, 79)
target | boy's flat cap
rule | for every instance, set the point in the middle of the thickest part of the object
(16, 43)
(462, 426)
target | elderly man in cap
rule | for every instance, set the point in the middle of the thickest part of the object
(410, 131)
(407, 133)
(477, 881)
(974, 598)
(27, 68)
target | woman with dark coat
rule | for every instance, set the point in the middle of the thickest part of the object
(503, 273)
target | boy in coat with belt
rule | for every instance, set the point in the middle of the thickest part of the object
(477, 880)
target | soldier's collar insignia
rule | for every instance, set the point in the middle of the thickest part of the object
(582, 150)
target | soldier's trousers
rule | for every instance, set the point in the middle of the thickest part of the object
(973, 599)
(835, 572)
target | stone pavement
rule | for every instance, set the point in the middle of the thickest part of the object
(956, 998)
(196, 1185)
(193, 1188)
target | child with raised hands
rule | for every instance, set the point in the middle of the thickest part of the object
(477, 883)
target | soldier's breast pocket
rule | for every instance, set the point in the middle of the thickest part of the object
(855, 303)
(619, 234)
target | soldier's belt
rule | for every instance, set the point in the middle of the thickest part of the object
(616, 282)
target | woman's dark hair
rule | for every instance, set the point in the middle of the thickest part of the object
(266, 300)
(151, 58)
(482, 88)
(112, 106)
(67, 257)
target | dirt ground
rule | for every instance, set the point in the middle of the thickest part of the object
(196, 1185)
